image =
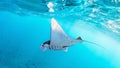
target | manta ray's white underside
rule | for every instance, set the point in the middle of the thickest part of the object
(58, 36)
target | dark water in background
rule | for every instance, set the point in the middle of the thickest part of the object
(25, 24)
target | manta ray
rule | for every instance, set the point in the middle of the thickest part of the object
(59, 40)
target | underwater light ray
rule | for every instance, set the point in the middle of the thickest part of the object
(111, 45)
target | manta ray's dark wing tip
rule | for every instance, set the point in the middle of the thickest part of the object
(79, 38)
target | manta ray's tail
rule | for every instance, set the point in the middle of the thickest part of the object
(81, 40)
(94, 44)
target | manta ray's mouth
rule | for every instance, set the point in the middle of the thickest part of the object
(43, 47)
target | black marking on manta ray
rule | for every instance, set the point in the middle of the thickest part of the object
(47, 42)
(79, 38)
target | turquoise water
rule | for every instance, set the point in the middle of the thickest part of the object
(25, 25)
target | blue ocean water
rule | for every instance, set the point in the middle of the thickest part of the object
(25, 25)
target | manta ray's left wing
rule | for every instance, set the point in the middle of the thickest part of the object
(58, 36)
